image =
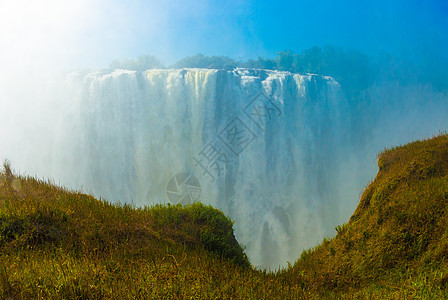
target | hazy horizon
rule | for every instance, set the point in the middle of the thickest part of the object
(77, 34)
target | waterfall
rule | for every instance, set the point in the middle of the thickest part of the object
(284, 155)
(263, 146)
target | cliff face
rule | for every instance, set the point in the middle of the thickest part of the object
(265, 147)
(398, 232)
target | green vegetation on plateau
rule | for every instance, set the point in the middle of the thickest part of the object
(61, 244)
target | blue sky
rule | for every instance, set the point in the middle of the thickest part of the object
(261, 28)
(92, 33)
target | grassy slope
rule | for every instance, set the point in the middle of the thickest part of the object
(61, 244)
(396, 242)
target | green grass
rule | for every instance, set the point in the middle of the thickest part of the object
(396, 243)
(61, 244)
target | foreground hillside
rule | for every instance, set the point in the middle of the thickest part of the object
(61, 244)
(396, 242)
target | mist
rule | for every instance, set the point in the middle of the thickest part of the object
(393, 81)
